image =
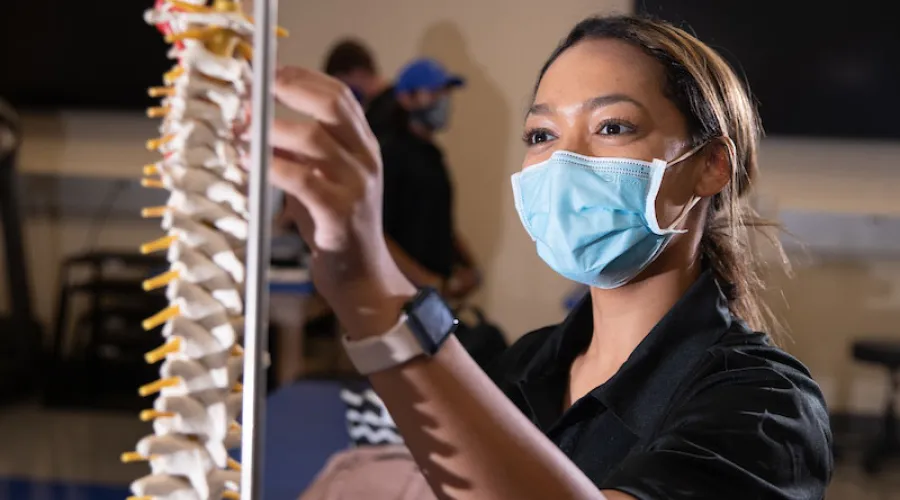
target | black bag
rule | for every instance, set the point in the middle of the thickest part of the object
(482, 339)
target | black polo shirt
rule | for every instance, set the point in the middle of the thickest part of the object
(703, 408)
(382, 112)
(418, 194)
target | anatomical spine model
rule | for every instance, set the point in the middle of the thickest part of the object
(203, 104)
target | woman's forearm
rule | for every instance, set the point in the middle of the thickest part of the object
(469, 439)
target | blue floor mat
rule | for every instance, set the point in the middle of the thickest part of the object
(22, 489)
(305, 425)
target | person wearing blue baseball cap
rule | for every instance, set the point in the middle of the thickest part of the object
(418, 193)
(421, 96)
(424, 87)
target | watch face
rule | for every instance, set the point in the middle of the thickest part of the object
(431, 320)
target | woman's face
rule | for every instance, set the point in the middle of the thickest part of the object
(605, 98)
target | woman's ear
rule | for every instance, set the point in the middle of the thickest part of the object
(715, 170)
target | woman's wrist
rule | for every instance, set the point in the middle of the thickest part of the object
(372, 307)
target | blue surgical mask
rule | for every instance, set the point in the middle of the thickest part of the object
(594, 219)
(436, 116)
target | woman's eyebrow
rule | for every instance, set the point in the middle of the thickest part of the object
(542, 109)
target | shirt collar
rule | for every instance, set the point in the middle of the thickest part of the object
(645, 383)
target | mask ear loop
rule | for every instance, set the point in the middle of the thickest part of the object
(520, 204)
(658, 169)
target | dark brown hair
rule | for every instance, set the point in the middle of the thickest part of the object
(715, 103)
(349, 55)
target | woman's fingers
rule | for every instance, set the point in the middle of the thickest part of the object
(302, 181)
(325, 208)
(309, 141)
(332, 105)
(322, 82)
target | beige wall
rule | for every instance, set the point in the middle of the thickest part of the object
(499, 46)
(829, 303)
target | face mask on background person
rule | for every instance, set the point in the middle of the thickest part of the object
(593, 219)
(435, 117)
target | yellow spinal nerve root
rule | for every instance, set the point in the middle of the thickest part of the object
(132, 456)
(160, 280)
(164, 350)
(154, 387)
(161, 317)
(154, 212)
(148, 415)
(157, 245)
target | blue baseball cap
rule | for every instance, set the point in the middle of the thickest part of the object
(426, 74)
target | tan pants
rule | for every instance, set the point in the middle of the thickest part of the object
(370, 473)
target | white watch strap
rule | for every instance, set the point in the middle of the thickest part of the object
(374, 354)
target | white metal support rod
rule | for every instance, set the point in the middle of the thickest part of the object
(258, 248)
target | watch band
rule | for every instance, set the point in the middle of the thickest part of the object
(374, 354)
(426, 322)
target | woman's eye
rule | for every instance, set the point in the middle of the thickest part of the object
(615, 129)
(535, 137)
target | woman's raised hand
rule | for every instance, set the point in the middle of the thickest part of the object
(330, 168)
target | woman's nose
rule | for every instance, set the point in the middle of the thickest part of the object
(576, 143)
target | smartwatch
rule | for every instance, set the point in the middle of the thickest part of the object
(424, 326)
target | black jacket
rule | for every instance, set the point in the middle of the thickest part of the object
(703, 408)
(418, 194)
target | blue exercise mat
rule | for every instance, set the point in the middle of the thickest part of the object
(32, 489)
(306, 423)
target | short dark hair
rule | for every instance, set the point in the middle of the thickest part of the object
(348, 55)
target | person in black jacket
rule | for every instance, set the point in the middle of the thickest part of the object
(418, 191)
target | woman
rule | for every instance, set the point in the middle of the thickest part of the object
(653, 387)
